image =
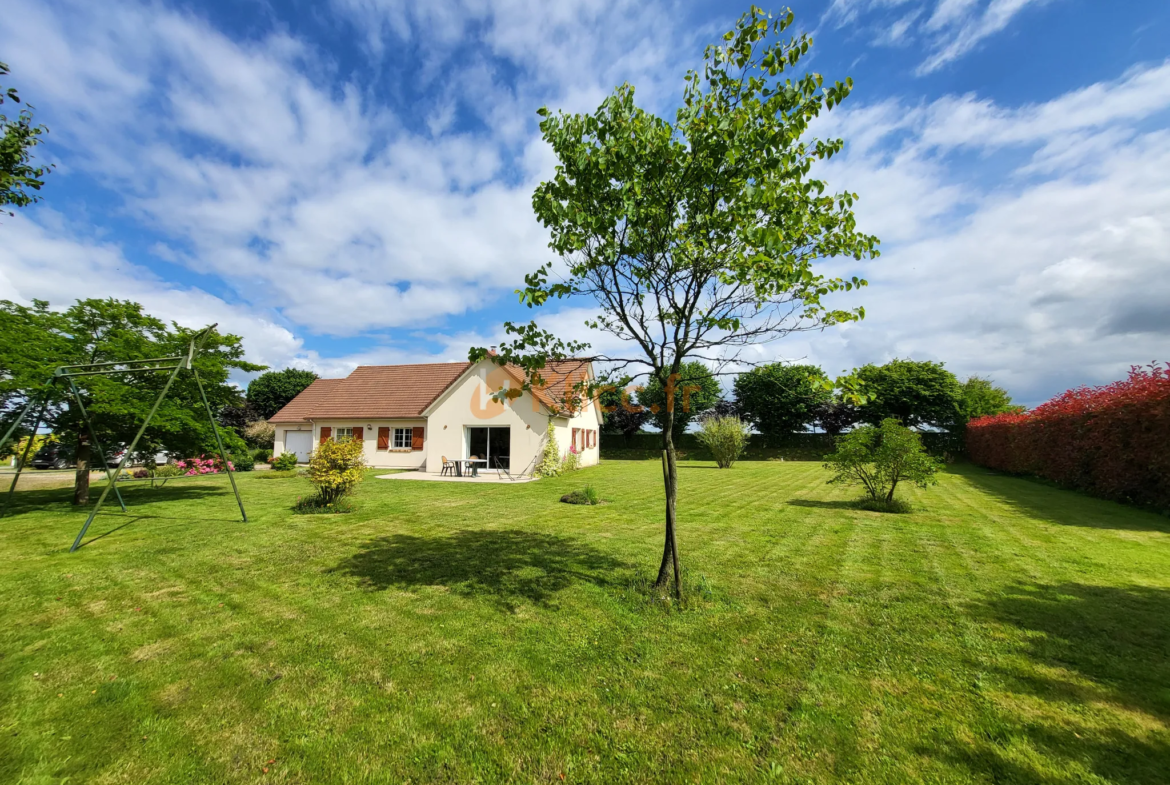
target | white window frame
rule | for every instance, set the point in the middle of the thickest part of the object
(342, 433)
(402, 439)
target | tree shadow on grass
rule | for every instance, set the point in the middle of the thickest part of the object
(60, 500)
(826, 504)
(1040, 500)
(506, 567)
(1097, 659)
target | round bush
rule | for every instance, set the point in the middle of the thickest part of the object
(285, 462)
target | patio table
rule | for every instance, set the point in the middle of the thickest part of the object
(472, 466)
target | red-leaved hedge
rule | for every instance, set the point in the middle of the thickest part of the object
(1111, 441)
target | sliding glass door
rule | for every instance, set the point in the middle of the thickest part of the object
(494, 444)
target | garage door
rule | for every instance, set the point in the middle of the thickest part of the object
(300, 442)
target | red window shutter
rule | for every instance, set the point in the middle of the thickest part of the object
(358, 434)
(576, 431)
(416, 439)
(326, 433)
(383, 438)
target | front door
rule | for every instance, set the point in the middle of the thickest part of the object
(494, 444)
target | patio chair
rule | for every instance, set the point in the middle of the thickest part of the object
(447, 467)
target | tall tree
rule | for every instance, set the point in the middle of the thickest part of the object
(117, 330)
(981, 398)
(621, 411)
(31, 342)
(697, 237)
(781, 399)
(269, 392)
(18, 136)
(696, 390)
(913, 393)
(836, 415)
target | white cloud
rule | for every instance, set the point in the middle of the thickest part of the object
(317, 201)
(963, 27)
(1052, 275)
(951, 29)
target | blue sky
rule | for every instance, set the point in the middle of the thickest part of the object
(348, 182)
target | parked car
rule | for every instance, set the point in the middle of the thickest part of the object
(56, 455)
(53, 455)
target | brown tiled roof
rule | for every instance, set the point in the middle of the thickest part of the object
(556, 375)
(375, 392)
(300, 408)
(405, 391)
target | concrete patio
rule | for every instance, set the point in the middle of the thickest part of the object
(486, 476)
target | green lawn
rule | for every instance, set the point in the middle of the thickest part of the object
(1005, 632)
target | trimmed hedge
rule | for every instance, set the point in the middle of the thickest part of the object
(1111, 441)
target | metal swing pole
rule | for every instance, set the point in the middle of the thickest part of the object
(27, 449)
(126, 457)
(96, 444)
(222, 452)
(195, 348)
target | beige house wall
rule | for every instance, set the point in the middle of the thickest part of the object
(588, 418)
(468, 404)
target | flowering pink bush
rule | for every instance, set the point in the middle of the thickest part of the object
(203, 465)
(1108, 440)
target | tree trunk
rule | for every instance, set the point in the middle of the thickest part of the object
(670, 546)
(81, 478)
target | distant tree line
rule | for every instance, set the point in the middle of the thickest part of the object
(781, 399)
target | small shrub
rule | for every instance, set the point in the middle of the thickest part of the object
(141, 474)
(285, 462)
(572, 461)
(262, 455)
(315, 505)
(167, 470)
(550, 459)
(336, 468)
(244, 462)
(879, 458)
(725, 437)
(587, 495)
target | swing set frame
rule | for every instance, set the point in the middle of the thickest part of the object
(67, 373)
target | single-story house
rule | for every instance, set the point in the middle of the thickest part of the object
(413, 416)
